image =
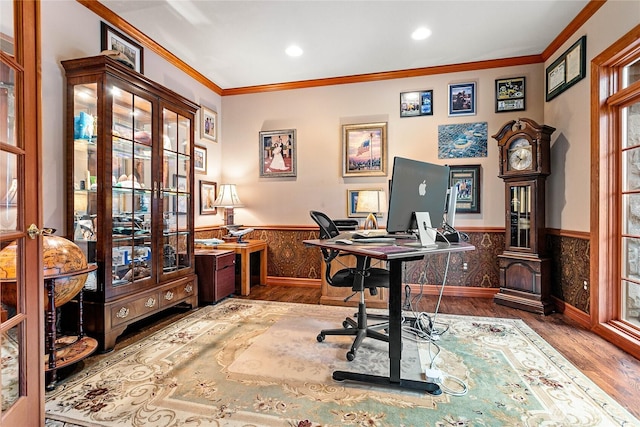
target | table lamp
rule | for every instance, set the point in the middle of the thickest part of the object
(228, 199)
(373, 202)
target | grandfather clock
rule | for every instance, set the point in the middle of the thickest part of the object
(523, 149)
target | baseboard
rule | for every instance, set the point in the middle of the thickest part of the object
(455, 291)
(572, 313)
(293, 281)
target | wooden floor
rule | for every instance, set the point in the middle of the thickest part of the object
(613, 370)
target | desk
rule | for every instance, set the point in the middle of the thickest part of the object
(395, 308)
(245, 250)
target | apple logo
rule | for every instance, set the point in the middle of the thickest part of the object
(422, 188)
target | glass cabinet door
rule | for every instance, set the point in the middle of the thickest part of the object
(131, 188)
(176, 191)
(85, 169)
(520, 216)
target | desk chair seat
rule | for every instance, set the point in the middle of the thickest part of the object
(358, 278)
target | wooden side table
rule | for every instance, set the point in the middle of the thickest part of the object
(216, 270)
(245, 250)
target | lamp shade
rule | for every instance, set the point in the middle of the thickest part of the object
(228, 197)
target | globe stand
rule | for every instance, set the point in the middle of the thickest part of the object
(64, 350)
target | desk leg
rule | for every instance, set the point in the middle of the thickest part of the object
(395, 343)
(263, 266)
(245, 272)
(395, 320)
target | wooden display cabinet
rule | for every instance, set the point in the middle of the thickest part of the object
(129, 192)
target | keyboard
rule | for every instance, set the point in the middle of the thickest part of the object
(369, 234)
(356, 240)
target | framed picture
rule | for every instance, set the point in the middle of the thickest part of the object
(462, 99)
(510, 94)
(208, 194)
(467, 180)
(111, 39)
(200, 159)
(352, 203)
(413, 104)
(364, 149)
(461, 140)
(277, 153)
(567, 70)
(208, 124)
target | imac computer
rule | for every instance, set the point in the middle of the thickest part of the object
(416, 187)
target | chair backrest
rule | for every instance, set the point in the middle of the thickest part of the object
(328, 228)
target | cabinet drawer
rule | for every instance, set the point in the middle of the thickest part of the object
(226, 260)
(129, 310)
(172, 295)
(225, 283)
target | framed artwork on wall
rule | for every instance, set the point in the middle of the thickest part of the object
(277, 153)
(462, 99)
(208, 191)
(364, 150)
(467, 180)
(414, 104)
(462, 140)
(567, 70)
(352, 203)
(510, 94)
(200, 159)
(111, 39)
(208, 124)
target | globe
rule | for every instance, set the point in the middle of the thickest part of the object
(60, 256)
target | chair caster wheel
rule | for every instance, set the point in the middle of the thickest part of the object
(351, 355)
(320, 337)
(345, 324)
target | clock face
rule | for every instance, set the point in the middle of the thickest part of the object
(520, 157)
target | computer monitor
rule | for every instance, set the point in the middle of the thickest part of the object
(416, 187)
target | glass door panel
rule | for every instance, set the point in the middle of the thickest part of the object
(9, 193)
(85, 171)
(520, 216)
(630, 199)
(176, 190)
(7, 105)
(131, 189)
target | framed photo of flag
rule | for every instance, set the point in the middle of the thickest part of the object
(364, 148)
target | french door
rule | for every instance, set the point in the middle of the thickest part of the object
(21, 285)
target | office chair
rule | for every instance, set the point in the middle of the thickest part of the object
(358, 278)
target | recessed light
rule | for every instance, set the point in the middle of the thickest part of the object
(421, 33)
(294, 50)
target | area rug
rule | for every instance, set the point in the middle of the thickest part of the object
(257, 363)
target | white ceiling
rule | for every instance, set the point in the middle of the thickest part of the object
(238, 43)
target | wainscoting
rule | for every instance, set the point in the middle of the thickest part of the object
(473, 273)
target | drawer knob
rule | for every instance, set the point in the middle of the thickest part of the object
(122, 313)
(189, 288)
(168, 296)
(151, 302)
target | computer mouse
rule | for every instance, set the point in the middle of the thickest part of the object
(344, 241)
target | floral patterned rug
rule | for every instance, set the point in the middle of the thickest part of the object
(257, 363)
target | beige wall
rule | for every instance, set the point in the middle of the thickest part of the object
(318, 114)
(72, 31)
(568, 200)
